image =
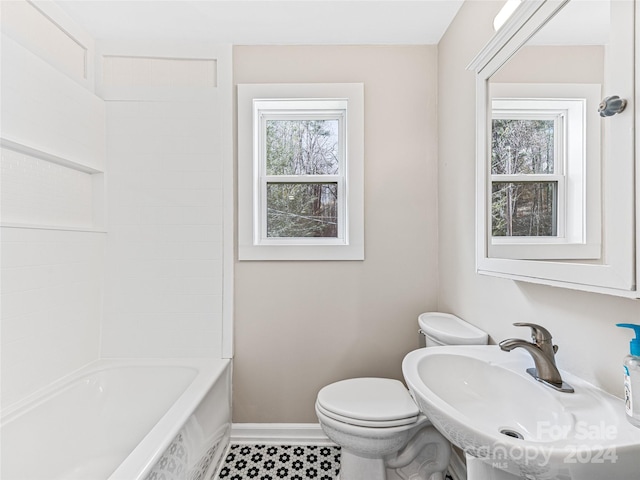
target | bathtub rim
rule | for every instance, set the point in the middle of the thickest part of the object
(149, 450)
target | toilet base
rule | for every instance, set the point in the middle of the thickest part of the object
(425, 456)
(354, 467)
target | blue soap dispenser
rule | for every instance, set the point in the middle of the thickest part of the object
(632, 377)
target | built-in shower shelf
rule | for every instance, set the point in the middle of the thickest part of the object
(42, 155)
(52, 227)
(42, 190)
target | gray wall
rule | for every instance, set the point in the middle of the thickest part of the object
(302, 325)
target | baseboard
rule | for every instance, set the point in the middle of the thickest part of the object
(279, 433)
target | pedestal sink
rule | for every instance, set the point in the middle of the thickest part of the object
(484, 402)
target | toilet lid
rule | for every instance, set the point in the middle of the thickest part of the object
(370, 400)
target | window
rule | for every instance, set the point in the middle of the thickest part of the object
(538, 179)
(300, 172)
(523, 175)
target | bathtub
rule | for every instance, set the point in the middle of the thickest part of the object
(122, 420)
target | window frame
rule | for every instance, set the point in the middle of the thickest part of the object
(295, 109)
(510, 111)
(578, 233)
(259, 103)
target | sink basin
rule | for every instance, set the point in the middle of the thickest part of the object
(484, 402)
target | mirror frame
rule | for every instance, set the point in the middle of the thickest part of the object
(616, 273)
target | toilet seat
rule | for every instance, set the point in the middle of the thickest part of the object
(402, 422)
(368, 402)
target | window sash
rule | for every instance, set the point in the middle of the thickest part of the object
(559, 167)
(283, 110)
(559, 118)
(561, 208)
(309, 114)
(527, 177)
(568, 157)
(261, 219)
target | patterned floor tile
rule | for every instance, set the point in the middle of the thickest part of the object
(280, 462)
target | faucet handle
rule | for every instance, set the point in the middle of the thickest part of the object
(539, 334)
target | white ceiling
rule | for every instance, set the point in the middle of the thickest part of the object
(255, 22)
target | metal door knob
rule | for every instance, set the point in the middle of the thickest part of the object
(611, 105)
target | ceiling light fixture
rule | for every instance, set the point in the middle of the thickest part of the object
(505, 12)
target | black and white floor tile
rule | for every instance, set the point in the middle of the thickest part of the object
(280, 462)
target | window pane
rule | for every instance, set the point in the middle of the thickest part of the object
(302, 147)
(302, 210)
(524, 209)
(522, 147)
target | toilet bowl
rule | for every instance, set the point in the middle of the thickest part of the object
(372, 419)
(383, 434)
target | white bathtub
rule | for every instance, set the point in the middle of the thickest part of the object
(122, 420)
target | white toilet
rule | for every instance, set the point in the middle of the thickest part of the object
(381, 431)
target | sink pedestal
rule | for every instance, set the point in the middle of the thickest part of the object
(479, 470)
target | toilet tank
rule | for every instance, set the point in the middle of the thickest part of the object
(446, 329)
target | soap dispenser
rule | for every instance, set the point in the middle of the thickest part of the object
(632, 377)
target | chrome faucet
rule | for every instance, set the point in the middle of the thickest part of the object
(543, 352)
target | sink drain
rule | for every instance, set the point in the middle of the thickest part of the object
(511, 433)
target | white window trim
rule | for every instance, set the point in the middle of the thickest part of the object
(579, 233)
(255, 102)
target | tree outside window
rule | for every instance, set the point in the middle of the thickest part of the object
(302, 148)
(521, 206)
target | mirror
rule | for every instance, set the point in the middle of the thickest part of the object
(549, 165)
(545, 139)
